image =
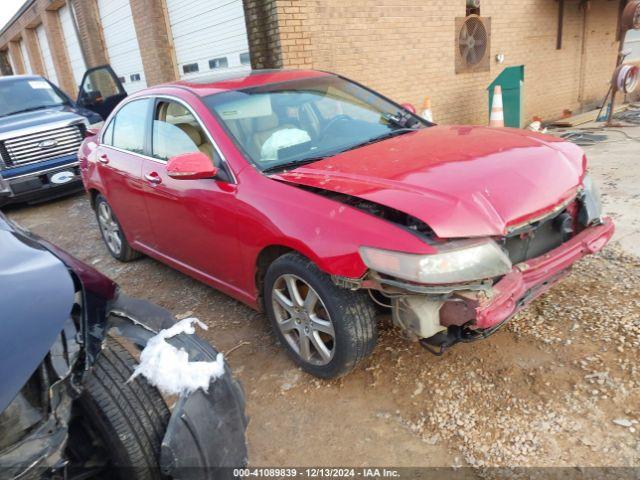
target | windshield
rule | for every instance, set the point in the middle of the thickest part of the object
(287, 124)
(26, 94)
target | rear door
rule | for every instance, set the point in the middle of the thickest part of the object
(100, 90)
(120, 158)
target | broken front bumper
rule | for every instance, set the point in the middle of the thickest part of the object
(530, 279)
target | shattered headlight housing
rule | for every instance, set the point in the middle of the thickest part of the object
(456, 261)
(591, 209)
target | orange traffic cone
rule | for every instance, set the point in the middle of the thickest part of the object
(497, 111)
(426, 111)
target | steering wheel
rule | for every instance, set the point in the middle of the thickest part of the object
(335, 120)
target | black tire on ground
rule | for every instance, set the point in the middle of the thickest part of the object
(126, 254)
(351, 312)
(130, 418)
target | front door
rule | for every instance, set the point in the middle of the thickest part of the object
(193, 221)
(100, 90)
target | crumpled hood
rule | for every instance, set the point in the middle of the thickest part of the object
(63, 113)
(36, 298)
(462, 181)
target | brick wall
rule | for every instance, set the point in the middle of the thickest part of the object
(53, 29)
(263, 30)
(155, 40)
(33, 50)
(16, 58)
(90, 32)
(405, 49)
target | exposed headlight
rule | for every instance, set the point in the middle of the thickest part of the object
(456, 262)
(591, 210)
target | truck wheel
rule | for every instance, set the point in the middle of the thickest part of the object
(326, 329)
(129, 418)
(112, 233)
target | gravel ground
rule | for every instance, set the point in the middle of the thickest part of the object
(558, 386)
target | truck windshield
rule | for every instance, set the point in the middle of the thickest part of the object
(26, 94)
(284, 125)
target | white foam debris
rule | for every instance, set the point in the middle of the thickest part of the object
(169, 369)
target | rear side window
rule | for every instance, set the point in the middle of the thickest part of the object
(129, 126)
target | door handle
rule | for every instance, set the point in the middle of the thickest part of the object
(153, 178)
(103, 158)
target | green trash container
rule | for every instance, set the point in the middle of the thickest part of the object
(512, 82)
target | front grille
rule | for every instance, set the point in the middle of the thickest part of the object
(539, 238)
(40, 146)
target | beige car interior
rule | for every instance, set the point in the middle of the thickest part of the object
(263, 128)
(176, 114)
(253, 132)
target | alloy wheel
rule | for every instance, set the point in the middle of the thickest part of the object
(110, 228)
(303, 319)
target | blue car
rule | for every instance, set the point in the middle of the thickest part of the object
(41, 129)
(69, 408)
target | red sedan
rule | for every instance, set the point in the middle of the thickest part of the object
(313, 198)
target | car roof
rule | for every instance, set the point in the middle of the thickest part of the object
(213, 84)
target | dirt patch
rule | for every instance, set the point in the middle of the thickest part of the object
(544, 391)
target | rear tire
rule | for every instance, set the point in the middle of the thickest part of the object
(112, 233)
(130, 418)
(341, 327)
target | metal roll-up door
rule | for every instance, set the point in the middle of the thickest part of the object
(45, 51)
(74, 52)
(25, 57)
(122, 43)
(208, 36)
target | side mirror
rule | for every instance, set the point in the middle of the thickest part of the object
(191, 166)
(409, 107)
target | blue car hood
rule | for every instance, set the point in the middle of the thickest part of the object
(36, 297)
(41, 117)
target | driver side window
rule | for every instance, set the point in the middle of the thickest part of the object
(176, 131)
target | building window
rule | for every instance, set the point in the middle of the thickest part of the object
(135, 77)
(190, 68)
(122, 79)
(221, 62)
(245, 59)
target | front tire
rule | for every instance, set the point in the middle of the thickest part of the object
(130, 418)
(327, 330)
(112, 233)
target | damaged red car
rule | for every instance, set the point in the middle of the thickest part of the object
(314, 198)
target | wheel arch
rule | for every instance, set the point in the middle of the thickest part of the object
(265, 258)
(93, 193)
(341, 264)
